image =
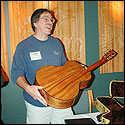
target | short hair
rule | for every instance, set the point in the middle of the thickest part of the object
(35, 16)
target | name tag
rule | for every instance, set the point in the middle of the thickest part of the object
(35, 55)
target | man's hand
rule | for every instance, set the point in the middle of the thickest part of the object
(84, 66)
(34, 92)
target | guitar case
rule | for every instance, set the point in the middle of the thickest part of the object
(112, 107)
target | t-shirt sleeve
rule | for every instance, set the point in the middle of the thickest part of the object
(63, 55)
(18, 65)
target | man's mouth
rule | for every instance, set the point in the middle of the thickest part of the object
(48, 26)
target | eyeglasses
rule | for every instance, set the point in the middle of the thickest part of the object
(45, 19)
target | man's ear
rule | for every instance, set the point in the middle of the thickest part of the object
(35, 24)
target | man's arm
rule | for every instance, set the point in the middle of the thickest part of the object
(31, 89)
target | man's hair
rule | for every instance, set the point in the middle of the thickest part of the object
(35, 16)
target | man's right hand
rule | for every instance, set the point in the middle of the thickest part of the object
(32, 90)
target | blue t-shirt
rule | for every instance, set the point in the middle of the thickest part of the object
(30, 55)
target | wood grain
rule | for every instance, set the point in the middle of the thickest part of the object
(61, 84)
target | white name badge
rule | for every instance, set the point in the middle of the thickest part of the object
(35, 55)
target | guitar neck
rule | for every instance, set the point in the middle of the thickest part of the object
(96, 65)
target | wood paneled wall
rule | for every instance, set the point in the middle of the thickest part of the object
(111, 33)
(19, 18)
(4, 52)
(70, 27)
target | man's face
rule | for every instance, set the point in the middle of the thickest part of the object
(45, 23)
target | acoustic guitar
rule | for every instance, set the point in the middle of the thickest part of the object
(61, 84)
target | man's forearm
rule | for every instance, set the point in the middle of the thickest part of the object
(31, 90)
(21, 82)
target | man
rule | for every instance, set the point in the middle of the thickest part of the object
(38, 50)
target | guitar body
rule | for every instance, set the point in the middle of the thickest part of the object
(61, 84)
